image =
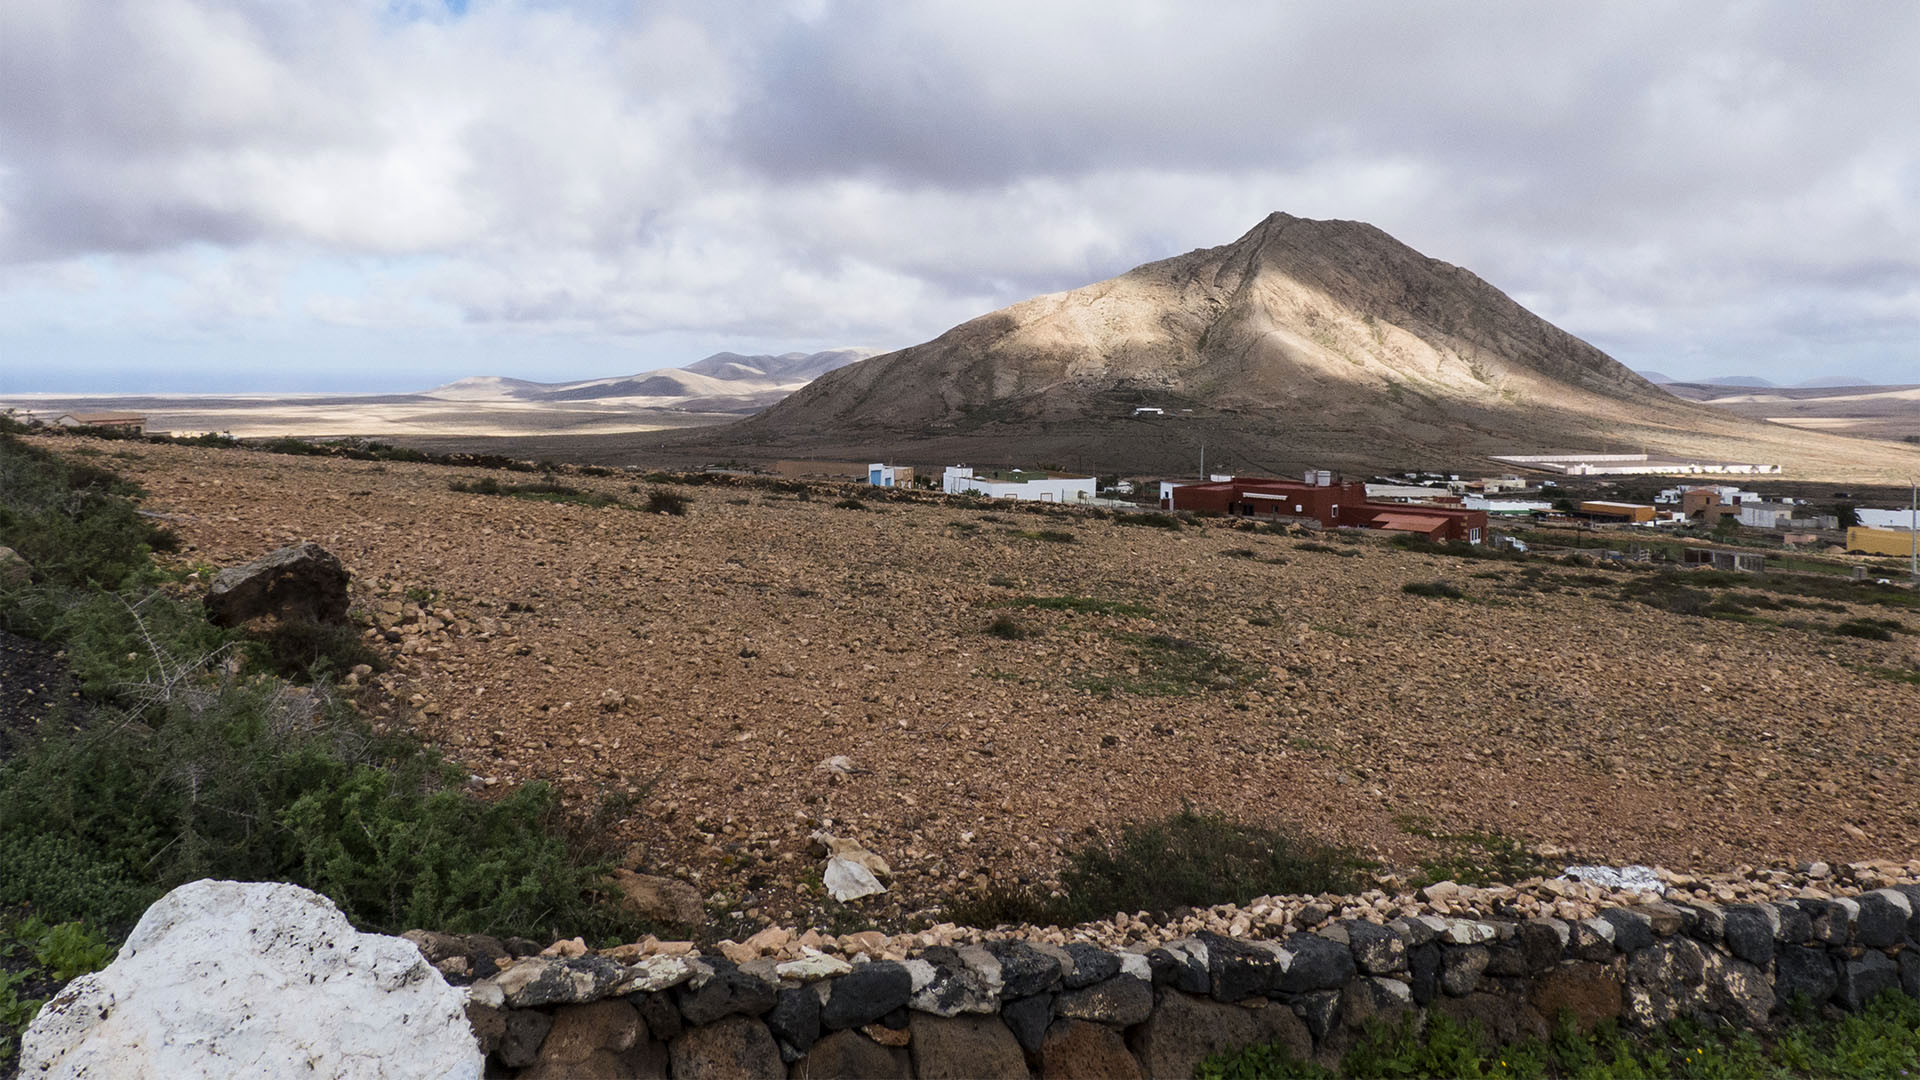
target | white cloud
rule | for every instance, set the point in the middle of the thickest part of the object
(1735, 184)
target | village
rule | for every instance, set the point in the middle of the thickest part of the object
(1452, 508)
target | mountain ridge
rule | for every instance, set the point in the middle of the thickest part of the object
(1301, 343)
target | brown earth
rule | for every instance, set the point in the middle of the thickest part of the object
(707, 665)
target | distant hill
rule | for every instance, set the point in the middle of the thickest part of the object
(1655, 377)
(727, 381)
(1739, 380)
(1303, 343)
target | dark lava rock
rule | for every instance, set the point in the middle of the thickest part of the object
(865, 994)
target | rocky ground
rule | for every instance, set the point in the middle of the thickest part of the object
(692, 675)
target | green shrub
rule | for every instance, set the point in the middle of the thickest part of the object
(307, 650)
(1189, 859)
(850, 504)
(1051, 536)
(1437, 589)
(1008, 628)
(1084, 605)
(1881, 1041)
(662, 501)
(1870, 629)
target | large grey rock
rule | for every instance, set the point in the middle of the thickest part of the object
(318, 997)
(1185, 1030)
(1805, 972)
(1883, 918)
(865, 994)
(1461, 967)
(657, 899)
(1121, 1001)
(963, 1047)
(1080, 1050)
(1862, 980)
(730, 992)
(1378, 950)
(1237, 970)
(795, 1018)
(1091, 964)
(1024, 970)
(298, 583)
(732, 1048)
(1028, 1018)
(849, 1055)
(1749, 934)
(1318, 964)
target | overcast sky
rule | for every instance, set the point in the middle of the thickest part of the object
(205, 195)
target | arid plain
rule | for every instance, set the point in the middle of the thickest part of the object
(698, 670)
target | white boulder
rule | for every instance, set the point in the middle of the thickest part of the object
(225, 978)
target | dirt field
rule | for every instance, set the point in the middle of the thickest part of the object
(706, 665)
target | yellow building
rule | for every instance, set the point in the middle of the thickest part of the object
(1864, 541)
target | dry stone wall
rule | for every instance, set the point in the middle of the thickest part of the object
(1019, 1008)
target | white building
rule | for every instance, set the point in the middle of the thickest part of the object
(1036, 485)
(1886, 519)
(1729, 495)
(882, 475)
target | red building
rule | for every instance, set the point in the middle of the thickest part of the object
(1332, 504)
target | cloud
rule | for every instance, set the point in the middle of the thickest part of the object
(1729, 185)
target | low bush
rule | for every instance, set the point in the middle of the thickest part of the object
(1437, 589)
(1151, 521)
(662, 501)
(1190, 859)
(308, 650)
(1084, 605)
(1008, 628)
(850, 504)
(1051, 536)
(1870, 629)
(1881, 1041)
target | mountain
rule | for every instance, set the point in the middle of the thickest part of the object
(786, 367)
(1303, 343)
(726, 381)
(1656, 377)
(1740, 380)
(1825, 382)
